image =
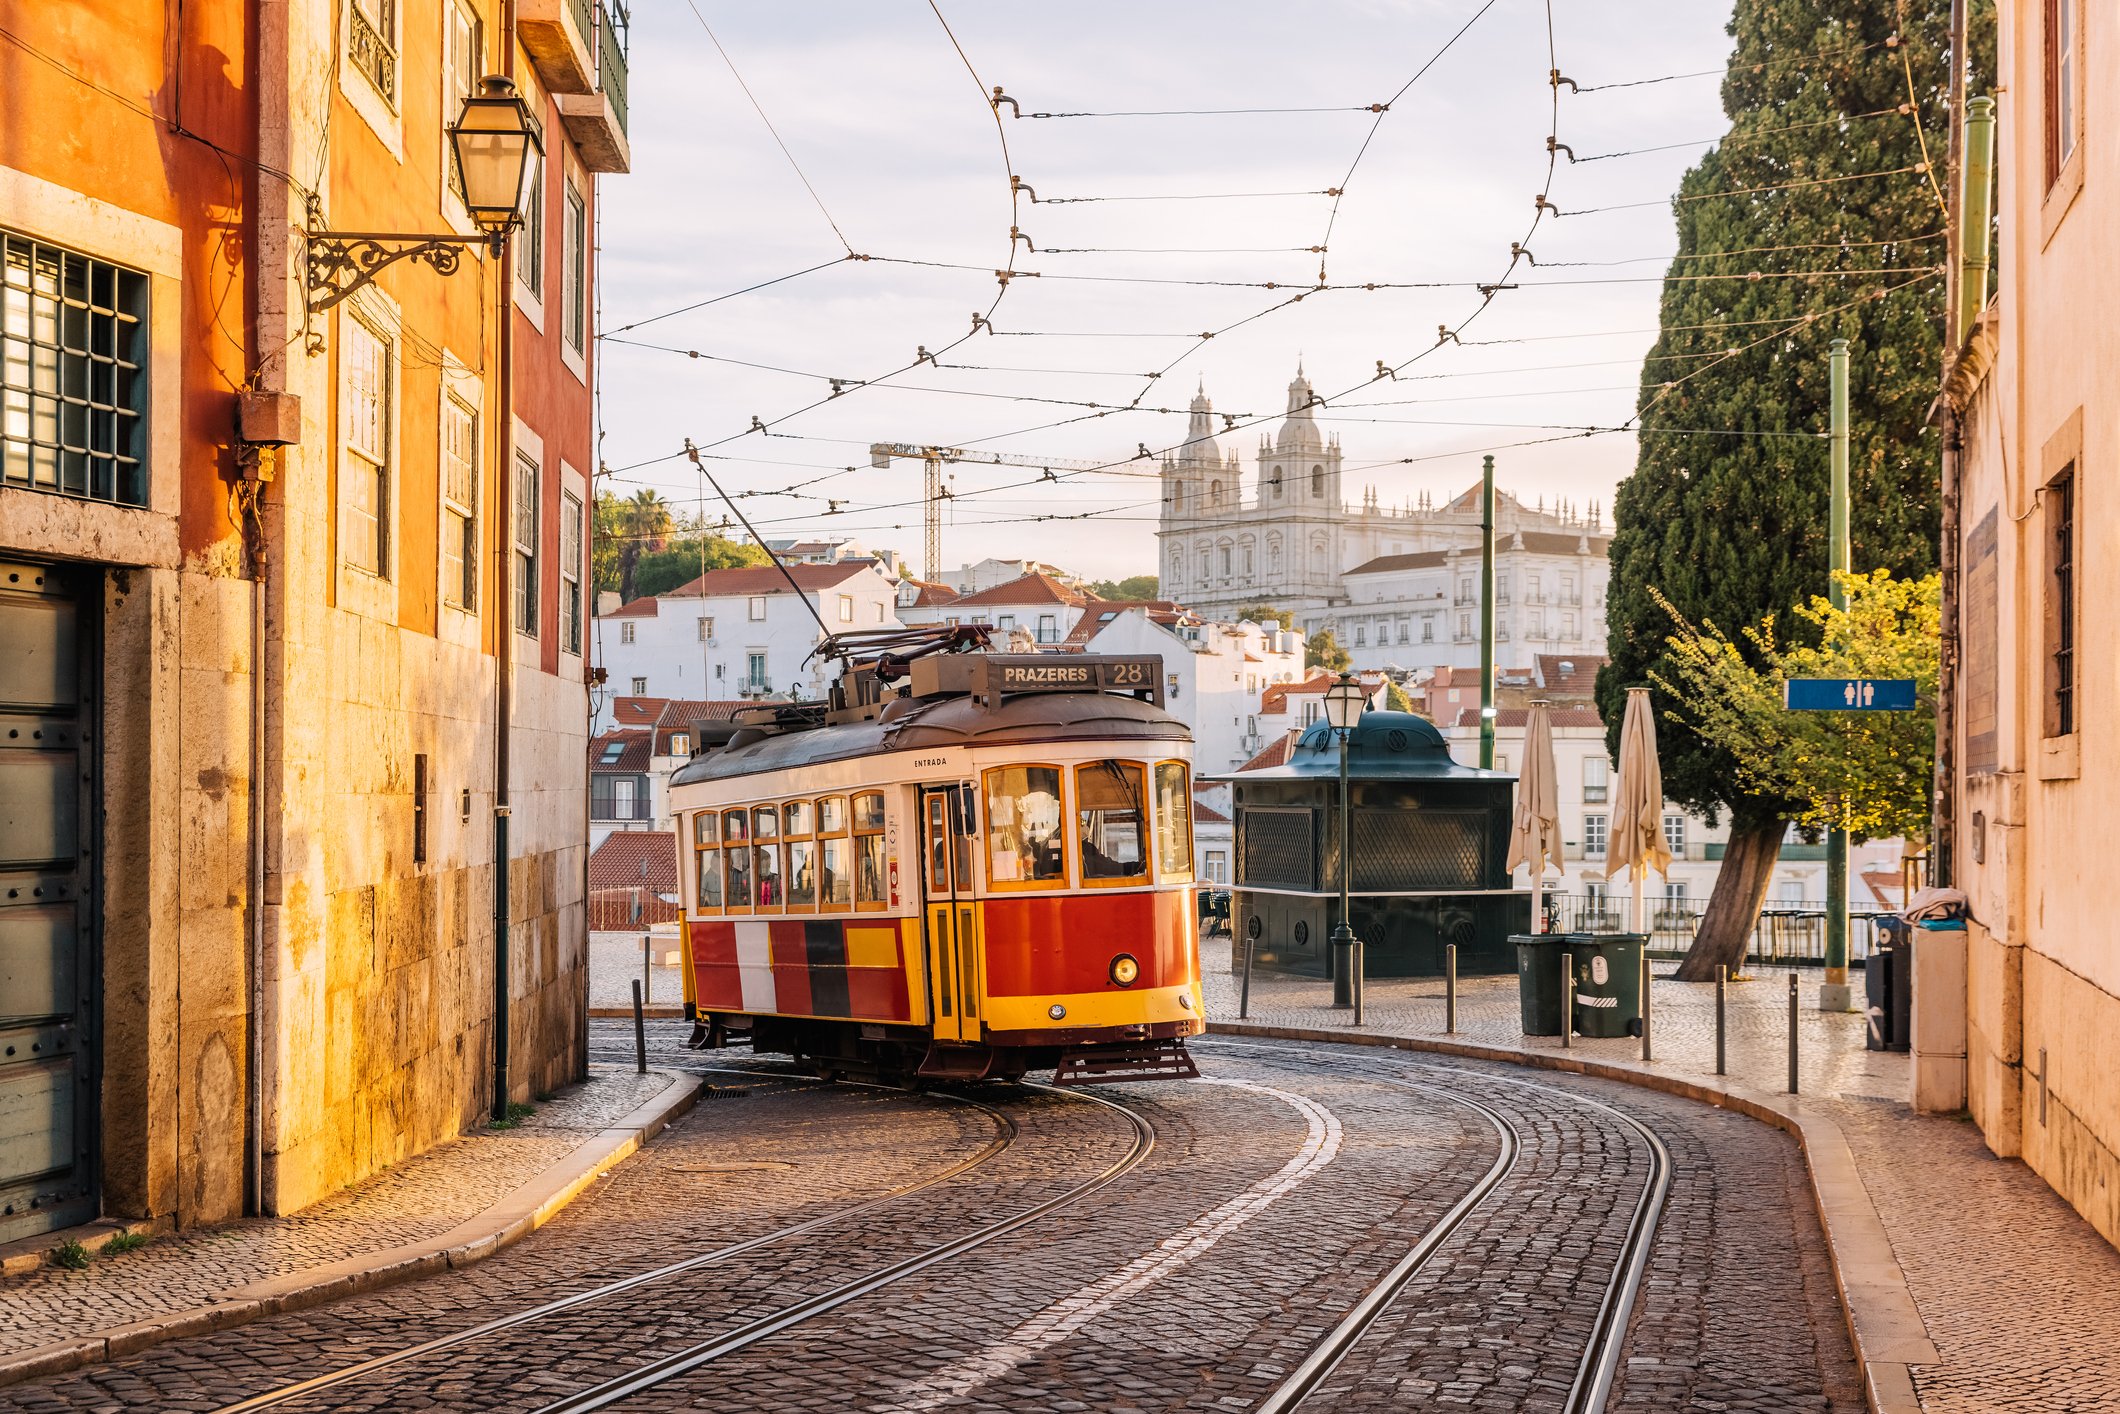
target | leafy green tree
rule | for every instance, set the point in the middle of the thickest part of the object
(1134, 587)
(1395, 698)
(1869, 773)
(1323, 650)
(687, 558)
(1266, 614)
(1725, 516)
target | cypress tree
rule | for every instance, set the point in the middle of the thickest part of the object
(1726, 512)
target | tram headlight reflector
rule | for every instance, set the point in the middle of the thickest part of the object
(1185, 1000)
(1057, 1012)
(1125, 971)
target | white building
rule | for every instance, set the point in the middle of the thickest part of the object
(739, 632)
(993, 573)
(1214, 674)
(1291, 540)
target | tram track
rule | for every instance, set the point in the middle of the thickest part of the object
(1006, 1132)
(1598, 1367)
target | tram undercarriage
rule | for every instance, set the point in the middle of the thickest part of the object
(907, 1055)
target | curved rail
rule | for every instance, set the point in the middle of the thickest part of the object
(1005, 1132)
(751, 1332)
(1599, 1365)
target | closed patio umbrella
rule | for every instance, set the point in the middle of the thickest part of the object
(1535, 829)
(1637, 841)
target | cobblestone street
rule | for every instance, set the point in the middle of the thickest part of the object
(1196, 1271)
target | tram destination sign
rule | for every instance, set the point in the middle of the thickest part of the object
(1011, 673)
(1848, 695)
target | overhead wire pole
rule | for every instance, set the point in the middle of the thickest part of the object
(1834, 994)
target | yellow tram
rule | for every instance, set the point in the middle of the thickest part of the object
(966, 865)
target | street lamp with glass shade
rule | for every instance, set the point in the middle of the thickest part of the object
(493, 144)
(1345, 701)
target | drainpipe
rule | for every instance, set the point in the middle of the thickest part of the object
(1487, 614)
(504, 631)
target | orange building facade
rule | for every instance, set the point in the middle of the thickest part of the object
(274, 561)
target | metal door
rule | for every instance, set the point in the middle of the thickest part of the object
(47, 917)
(952, 915)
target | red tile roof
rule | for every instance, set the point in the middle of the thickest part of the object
(1035, 588)
(635, 859)
(679, 714)
(1203, 811)
(632, 759)
(1276, 752)
(765, 579)
(1568, 672)
(638, 711)
(1275, 698)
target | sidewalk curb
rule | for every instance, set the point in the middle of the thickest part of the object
(528, 1207)
(1884, 1325)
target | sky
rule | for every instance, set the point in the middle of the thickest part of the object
(900, 159)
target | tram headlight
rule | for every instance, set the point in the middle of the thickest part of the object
(1125, 971)
(1185, 1000)
(1057, 1012)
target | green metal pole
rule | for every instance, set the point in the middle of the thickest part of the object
(1487, 614)
(1835, 994)
(1976, 205)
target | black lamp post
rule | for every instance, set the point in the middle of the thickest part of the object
(1344, 702)
(493, 144)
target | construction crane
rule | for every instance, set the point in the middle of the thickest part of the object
(933, 495)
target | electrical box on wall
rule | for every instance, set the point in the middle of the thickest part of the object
(269, 419)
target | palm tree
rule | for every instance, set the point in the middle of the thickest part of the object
(645, 522)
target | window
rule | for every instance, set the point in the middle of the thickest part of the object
(846, 608)
(1675, 835)
(364, 372)
(680, 744)
(706, 630)
(1214, 493)
(570, 573)
(625, 633)
(73, 376)
(1222, 558)
(2061, 604)
(757, 671)
(1789, 891)
(1464, 626)
(1675, 896)
(1217, 866)
(871, 869)
(1317, 482)
(460, 70)
(1024, 843)
(1404, 628)
(1110, 802)
(706, 860)
(612, 751)
(623, 791)
(765, 856)
(1594, 836)
(1597, 776)
(1048, 629)
(798, 820)
(1568, 625)
(835, 877)
(527, 478)
(1427, 630)
(1005, 622)
(736, 858)
(757, 608)
(1174, 851)
(459, 502)
(2061, 97)
(371, 43)
(640, 687)
(876, 612)
(574, 297)
(1361, 635)
(530, 236)
(1277, 483)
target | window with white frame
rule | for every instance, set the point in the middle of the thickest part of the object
(1048, 629)
(706, 630)
(570, 573)
(1594, 836)
(1675, 896)
(1675, 834)
(1597, 777)
(625, 633)
(757, 608)
(640, 687)
(574, 318)
(622, 793)
(530, 236)
(365, 366)
(459, 503)
(846, 608)
(527, 490)
(1217, 866)
(1789, 891)
(460, 72)
(876, 611)
(756, 663)
(372, 44)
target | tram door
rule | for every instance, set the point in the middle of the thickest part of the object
(952, 915)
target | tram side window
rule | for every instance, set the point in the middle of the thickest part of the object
(1023, 838)
(835, 862)
(707, 863)
(1110, 808)
(765, 855)
(797, 818)
(1174, 845)
(870, 890)
(736, 836)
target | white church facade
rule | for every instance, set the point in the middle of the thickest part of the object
(1397, 587)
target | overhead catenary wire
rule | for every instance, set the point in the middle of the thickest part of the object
(1740, 139)
(1745, 191)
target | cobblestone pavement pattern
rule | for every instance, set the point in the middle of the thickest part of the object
(421, 1198)
(1226, 1309)
(2020, 1296)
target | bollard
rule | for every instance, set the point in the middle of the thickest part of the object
(1567, 1001)
(1722, 987)
(1646, 1053)
(1244, 997)
(640, 1035)
(1450, 989)
(1358, 968)
(1792, 1033)
(647, 967)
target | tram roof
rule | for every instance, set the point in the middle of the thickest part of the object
(1385, 746)
(915, 724)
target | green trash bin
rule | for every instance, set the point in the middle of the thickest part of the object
(1538, 980)
(1608, 983)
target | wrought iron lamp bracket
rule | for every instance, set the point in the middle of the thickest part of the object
(341, 262)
